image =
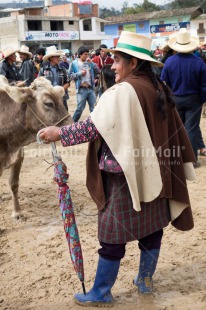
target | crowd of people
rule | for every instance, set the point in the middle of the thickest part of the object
(85, 67)
(155, 114)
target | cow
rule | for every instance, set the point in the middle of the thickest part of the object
(23, 112)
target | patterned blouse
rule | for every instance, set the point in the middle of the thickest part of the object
(80, 132)
(85, 131)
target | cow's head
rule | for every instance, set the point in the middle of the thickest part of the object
(48, 102)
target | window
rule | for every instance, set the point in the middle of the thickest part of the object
(85, 9)
(66, 45)
(89, 44)
(102, 27)
(34, 25)
(87, 25)
(201, 28)
(56, 25)
(141, 25)
(71, 22)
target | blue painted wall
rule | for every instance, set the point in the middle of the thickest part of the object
(142, 27)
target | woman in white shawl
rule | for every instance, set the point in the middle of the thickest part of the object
(136, 166)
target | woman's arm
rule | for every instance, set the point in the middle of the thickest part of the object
(77, 133)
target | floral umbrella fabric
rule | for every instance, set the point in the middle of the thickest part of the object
(65, 203)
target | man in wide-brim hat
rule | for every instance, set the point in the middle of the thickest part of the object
(182, 42)
(185, 73)
(8, 67)
(54, 72)
(52, 51)
(27, 69)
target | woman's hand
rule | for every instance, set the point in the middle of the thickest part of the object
(49, 134)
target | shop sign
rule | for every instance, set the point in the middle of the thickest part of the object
(51, 35)
(168, 27)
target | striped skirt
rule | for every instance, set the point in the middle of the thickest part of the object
(119, 223)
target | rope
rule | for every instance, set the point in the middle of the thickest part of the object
(32, 86)
(42, 121)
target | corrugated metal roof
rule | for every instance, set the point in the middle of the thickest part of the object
(153, 15)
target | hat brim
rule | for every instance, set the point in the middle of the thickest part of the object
(142, 56)
(13, 52)
(183, 48)
(27, 53)
(46, 57)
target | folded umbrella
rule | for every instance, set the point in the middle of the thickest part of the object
(66, 206)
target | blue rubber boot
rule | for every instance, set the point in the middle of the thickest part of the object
(100, 295)
(148, 262)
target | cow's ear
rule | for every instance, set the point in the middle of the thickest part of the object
(59, 90)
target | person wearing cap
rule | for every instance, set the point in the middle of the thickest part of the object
(52, 71)
(138, 159)
(26, 69)
(8, 67)
(185, 74)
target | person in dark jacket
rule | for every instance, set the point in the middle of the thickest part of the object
(27, 69)
(8, 67)
(64, 63)
(40, 53)
(54, 72)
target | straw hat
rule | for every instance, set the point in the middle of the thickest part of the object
(182, 41)
(136, 45)
(52, 51)
(8, 51)
(25, 50)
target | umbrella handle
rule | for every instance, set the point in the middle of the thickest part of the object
(53, 145)
(54, 150)
(83, 287)
(38, 139)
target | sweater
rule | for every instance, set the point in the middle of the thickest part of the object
(186, 75)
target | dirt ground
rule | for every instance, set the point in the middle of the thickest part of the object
(35, 267)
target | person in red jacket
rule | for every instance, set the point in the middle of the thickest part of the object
(103, 58)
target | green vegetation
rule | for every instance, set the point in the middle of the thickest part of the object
(148, 6)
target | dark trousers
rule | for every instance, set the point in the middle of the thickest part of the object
(200, 141)
(117, 251)
(189, 108)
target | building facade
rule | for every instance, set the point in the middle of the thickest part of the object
(158, 25)
(67, 26)
(199, 25)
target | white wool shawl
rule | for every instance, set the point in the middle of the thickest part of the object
(119, 118)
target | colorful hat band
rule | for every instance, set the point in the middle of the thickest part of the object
(134, 48)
